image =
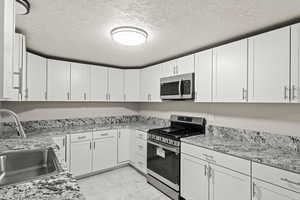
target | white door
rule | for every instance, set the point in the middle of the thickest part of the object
(124, 145)
(230, 72)
(269, 63)
(154, 74)
(266, 191)
(186, 64)
(105, 153)
(81, 158)
(228, 184)
(194, 180)
(295, 64)
(80, 82)
(203, 76)
(169, 68)
(60, 141)
(36, 78)
(132, 85)
(58, 80)
(115, 85)
(98, 83)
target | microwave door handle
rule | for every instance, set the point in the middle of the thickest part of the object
(181, 88)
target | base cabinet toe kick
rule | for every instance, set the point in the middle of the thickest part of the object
(210, 175)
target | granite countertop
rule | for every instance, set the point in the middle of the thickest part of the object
(61, 186)
(282, 157)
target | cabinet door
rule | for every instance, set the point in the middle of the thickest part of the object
(80, 82)
(98, 83)
(295, 64)
(186, 64)
(154, 73)
(266, 191)
(124, 145)
(81, 158)
(203, 76)
(269, 63)
(230, 72)
(194, 180)
(36, 78)
(58, 80)
(115, 84)
(169, 68)
(228, 184)
(132, 85)
(105, 153)
(145, 85)
(132, 149)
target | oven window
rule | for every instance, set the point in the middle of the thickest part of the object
(163, 162)
(170, 88)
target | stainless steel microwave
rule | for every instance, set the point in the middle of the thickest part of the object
(179, 87)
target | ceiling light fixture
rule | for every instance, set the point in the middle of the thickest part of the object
(22, 7)
(130, 36)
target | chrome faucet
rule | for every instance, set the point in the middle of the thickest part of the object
(19, 126)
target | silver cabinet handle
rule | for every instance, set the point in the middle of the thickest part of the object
(243, 93)
(253, 189)
(68, 95)
(141, 147)
(84, 96)
(294, 88)
(177, 69)
(94, 145)
(90, 145)
(46, 96)
(205, 170)
(174, 72)
(81, 137)
(104, 134)
(289, 181)
(285, 92)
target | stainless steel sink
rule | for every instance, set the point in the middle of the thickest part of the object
(25, 165)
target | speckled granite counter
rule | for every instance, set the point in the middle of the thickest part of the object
(60, 186)
(265, 148)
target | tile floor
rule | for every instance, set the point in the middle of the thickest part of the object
(121, 184)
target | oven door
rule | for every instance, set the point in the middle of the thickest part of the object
(163, 163)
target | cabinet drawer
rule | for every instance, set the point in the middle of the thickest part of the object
(141, 135)
(81, 137)
(141, 163)
(141, 147)
(231, 162)
(105, 134)
(276, 176)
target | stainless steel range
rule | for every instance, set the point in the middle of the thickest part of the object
(163, 152)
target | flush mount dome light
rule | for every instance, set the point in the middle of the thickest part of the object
(22, 7)
(130, 36)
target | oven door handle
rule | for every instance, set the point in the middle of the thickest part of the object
(173, 149)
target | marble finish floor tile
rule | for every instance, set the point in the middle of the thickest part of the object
(121, 184)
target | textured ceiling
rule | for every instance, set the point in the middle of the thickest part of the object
(80, 29)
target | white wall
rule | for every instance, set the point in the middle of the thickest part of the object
(274, 118)
(61, 110)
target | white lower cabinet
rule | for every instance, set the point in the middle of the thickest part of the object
(81, 157)
(139, 151)
(194, 179)
(205, 175)
(105, 153)
(267, 191)
(124, 145)
(228, 184)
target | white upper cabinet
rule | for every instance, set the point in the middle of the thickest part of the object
(179, 66)
(80, 82)
(150, 83)
(186, 64)
(269, 64)
(7, 37)
(98, 83)
(295, 64)
(115, 84)
(203, 76)
(230, 72)
(36, 78)
(132, 85)
(58, 80)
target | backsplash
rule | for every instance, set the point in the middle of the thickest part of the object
(30, 126)
(256, 137)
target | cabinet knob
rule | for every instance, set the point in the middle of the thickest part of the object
(285, 92)
(294, 91)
